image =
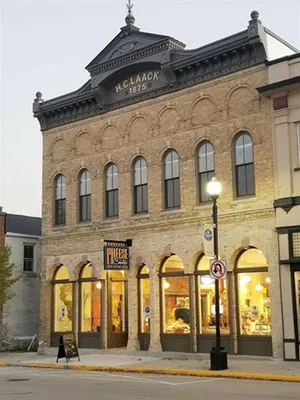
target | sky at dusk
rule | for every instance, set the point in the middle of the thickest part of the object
(46, 45)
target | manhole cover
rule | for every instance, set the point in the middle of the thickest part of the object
(17, 380)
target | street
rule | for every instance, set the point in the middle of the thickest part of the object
(35, 384)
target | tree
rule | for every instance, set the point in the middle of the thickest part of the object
(6, 282)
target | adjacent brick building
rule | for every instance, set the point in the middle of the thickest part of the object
(283, 90)
(127, 156)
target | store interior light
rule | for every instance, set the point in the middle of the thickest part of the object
(259, 287)
(98, 285)
(268, 280)
(245, 279)
(166, 285)
(206, 280)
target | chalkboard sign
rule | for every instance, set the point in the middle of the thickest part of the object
(67, 347)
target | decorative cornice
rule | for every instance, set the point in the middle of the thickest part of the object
(205, 70)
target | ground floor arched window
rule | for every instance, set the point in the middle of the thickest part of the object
(62, 303)
(254, 310)
(175, 306)
(206, 300)
(90, 300)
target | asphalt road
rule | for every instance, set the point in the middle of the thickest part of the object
(41, 384)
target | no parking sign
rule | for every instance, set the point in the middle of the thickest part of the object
(218, 269)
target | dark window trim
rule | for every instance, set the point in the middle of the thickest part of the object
(28, 260)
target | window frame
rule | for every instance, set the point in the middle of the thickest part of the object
(298, 142)
(60, 201)
(113, 191)
(28, 259)
(85, 196)
(55, 282)
(140, 277)
(245, 164)
(209, 173)
(174, 180)
(143, 186)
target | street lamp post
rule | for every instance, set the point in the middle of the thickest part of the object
(218, 354)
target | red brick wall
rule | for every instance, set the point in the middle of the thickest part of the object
(2, 226)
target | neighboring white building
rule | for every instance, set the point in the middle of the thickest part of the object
(21, 314)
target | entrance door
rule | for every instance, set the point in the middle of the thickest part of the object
(117, 312)
(296, 308)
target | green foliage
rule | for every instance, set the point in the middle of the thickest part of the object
(6, 275)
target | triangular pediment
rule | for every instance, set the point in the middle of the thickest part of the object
(128, 41)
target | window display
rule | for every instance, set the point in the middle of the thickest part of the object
(144, 300)
(90, 306)
(254, 303)
(63, 301)
(208, 306)
(176, 298)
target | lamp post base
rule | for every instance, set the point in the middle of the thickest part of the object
(218, 359)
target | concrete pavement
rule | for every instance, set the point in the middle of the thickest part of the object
(240, 367)
(34, 384)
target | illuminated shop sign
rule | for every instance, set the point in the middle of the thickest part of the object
(137, 83)
(116, 255)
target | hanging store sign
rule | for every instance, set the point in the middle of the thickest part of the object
(137, 83)
(116, 255)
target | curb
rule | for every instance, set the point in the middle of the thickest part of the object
(162, 371)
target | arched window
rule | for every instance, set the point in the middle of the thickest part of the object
(207, 308)
(60, 200)
(112, 191)
(253, 294)
(90, 289)
(244, 165)
(172, 180)
(140, 186)
(144, 299)
(175, 297)
(206, 169)
(63, 300)
(85, 190)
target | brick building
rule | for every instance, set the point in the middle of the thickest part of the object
(128, 156)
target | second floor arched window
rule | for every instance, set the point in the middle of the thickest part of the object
(172, 180)
(112, 191)
(244, 165)
(206, 169)
(140, 186)
(85, 190)
(60, 200)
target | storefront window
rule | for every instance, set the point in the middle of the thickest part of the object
(175, 297)
(118, 301)
(90, 301)
(207, 304)
(63, 301)
(253, 294)
(144, 291)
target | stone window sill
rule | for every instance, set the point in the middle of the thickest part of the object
(204, 206)
(140, 216)
(250, 199)
(172, 211)
(110, 220)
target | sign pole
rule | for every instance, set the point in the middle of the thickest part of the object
(218, 354)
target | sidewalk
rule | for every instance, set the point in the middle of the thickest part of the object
(119, 360)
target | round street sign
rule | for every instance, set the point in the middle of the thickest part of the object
(218, 269)
(208, 235)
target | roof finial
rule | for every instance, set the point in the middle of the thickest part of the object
(129, 18)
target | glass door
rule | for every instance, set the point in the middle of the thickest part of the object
(117, 328)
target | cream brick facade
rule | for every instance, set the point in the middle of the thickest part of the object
(229, 105)
(215, 110)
